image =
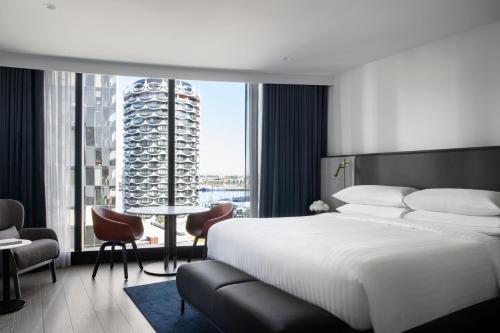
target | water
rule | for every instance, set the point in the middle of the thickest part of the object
(224, 195)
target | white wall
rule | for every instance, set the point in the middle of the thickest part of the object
(440, 95)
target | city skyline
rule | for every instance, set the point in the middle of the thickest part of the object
(222, 124)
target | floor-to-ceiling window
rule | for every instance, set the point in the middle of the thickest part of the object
(125, 143)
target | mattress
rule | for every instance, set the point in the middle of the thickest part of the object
(386, 274)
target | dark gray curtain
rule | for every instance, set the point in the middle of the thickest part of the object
(294, 121)
(22, 141)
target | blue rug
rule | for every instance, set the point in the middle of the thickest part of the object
(160, 304)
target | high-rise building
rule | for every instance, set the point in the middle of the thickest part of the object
(99, 113)
(146, 144)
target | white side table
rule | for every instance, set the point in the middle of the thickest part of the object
(7, 305)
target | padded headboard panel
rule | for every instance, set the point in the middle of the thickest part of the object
(476, 168)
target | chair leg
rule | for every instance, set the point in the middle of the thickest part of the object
(112, 256)
(182, 306)
(137, 255)
(191, 253)
(98, 259)
(124, 253)
(17, 287)
(53, 270)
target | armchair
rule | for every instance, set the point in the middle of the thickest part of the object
(116, 229)
(198, 224)
(43, 250)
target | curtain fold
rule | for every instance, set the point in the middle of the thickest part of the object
(21, 141)
(294, 119)
(59, 141)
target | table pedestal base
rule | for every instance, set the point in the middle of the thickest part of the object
(11, 306)
(158, 268)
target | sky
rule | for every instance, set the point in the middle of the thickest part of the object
(222, 124)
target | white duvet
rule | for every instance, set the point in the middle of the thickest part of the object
(386, 274)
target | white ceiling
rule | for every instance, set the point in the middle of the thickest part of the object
(319, 37)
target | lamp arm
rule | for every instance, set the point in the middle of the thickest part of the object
(341, 166)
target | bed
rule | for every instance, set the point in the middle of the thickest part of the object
(389, 275)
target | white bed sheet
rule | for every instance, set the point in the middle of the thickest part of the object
(385, 274)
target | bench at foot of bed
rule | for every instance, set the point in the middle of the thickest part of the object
(237, 302)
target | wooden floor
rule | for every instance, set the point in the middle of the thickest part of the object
(76, 303)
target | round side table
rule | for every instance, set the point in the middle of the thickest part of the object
(8, 305)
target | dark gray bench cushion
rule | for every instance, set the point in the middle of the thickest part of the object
(258, 307)
(198, 281)
(237, 302)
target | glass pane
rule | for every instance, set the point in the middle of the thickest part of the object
(99, 147)
(217, 119)
(222, 152)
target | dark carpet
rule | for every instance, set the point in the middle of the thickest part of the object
(160, 304)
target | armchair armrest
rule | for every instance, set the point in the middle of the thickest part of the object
(37, 233)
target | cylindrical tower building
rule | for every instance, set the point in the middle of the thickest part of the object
(146, 144)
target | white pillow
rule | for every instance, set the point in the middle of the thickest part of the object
(456, 201)
(378, 211)
(375, 195)
(489, 225)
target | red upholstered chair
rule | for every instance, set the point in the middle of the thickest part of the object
(116, 229)
(198, 224)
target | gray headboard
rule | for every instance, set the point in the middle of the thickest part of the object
(476, 168)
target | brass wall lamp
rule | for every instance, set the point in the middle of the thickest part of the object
(343, 165)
